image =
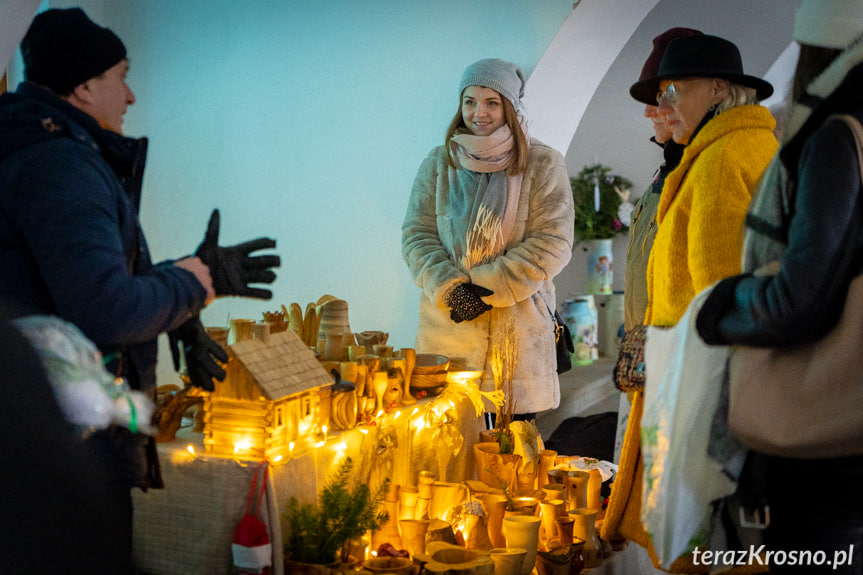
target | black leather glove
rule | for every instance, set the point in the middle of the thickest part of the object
(232, 268)
(714, 309)
(466, 303)
(201, 353)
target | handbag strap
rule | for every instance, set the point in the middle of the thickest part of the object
(857, 132)
(252, 488)
(558, 329)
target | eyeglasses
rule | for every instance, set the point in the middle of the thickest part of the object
(670, 96)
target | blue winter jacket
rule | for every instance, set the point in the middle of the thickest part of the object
(70, 241)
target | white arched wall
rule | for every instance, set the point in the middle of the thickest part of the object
(561, 86)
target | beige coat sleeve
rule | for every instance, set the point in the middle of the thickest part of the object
(428, 260)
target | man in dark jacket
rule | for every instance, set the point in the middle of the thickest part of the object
(70, 241)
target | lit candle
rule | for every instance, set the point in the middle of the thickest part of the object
(596, 194)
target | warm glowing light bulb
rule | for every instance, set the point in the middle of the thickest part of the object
(277, 459)
(191, 449)
(320, 443)
(364, 431)
(342, 446)
(291, 446)
(397, 414)
(415, 411)
(380, 413)
(324, 428)
(242, 445)
(420, 424)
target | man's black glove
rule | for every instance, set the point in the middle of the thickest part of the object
(232, 268)
(201, 353)
(466, 303)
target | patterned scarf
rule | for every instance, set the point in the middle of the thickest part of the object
(766, 234)
(483, 198)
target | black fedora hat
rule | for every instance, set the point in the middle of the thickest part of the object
(701, 57)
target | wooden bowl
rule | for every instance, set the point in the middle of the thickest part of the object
(395, 565)
(428, 363)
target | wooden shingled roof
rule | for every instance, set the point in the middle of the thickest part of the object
(281, 366)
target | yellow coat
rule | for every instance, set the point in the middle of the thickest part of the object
(702, 208)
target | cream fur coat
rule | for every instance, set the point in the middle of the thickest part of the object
(521, 279)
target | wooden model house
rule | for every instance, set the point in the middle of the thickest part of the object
(274, 400)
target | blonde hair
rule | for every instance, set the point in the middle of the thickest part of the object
(510, 118)
(738, 95)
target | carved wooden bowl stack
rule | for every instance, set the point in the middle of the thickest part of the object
(429, 375)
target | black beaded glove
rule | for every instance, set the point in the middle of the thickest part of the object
(232, 268)
(201, 353)
(466, 303)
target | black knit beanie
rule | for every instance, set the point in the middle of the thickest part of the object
(64, 48)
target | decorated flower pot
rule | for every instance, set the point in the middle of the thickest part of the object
(599, 266)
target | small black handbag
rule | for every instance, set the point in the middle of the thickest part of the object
(563, 343)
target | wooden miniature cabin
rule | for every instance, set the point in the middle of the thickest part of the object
(274, 401)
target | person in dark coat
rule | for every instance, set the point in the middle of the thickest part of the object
(71, 241)
(806, 217)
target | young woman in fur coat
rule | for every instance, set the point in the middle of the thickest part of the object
(489, 224)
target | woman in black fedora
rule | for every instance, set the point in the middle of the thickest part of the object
(712, 109)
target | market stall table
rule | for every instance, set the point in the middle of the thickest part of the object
(188, 526)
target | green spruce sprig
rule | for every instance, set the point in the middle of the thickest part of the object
(320, 532)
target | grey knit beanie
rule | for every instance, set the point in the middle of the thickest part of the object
(503, 77)
(829, 23)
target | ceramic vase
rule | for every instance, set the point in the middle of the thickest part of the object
(557, 561)
(496, 469)
(557, 475)
(564, 526)
(522, 531)
(389, 531)
(445, 496)
(334, 322)
(425, 480)
(594, 490)
(523, 505)
(551, 510)
(494, 507)
(611, 324)
(581, 318)
(554, 491)
(414, 533)
(475, 532)
(261, 331)
(410, 357)
(546, 462)
(507, 561)
(576, 489)
(242, 329)
(600, 266)
(584, 528)
(577, 564)
(407, 501)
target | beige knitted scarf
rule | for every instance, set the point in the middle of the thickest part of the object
(483, 197)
